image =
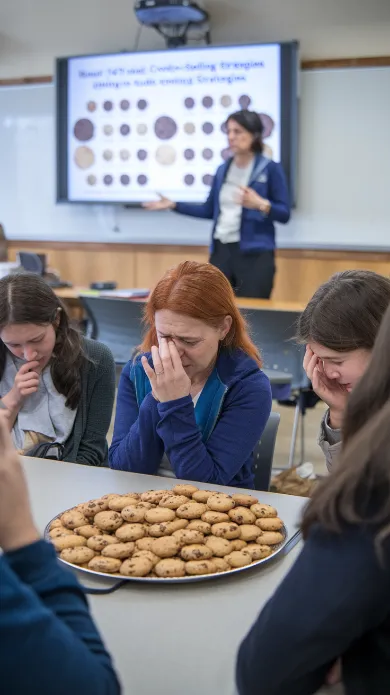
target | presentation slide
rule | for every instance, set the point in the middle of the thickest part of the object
(143, 124)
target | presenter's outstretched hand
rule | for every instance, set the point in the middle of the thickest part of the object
(162, 204)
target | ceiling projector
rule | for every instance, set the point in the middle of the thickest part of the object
(172, 18)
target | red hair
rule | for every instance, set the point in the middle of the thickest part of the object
(201, 291)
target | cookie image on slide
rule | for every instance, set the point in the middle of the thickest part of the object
(189, 128)
(142, 104)
(107, 180)
(226, 101)
(268, 124)
(189, 103)
(91, 180)
(142, 180)
(92, 106)
(224, 127)
(165, 127)
(189, 180)
(244, 101)
(124, 129)
(207, 128)
(124, 155)
(125, 104)
(108, 155)
(108, 105)
(142, 155)
(83, 129)
(142, 128)
(207, 153)
(226, 153)
(108, 129)
(84, 157)
(208, 179)
(189, 154)
(207, 102)
(166, 155)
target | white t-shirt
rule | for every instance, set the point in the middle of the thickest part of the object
(165, 465)
(228, 225)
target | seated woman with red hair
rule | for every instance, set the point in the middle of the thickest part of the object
(194, 402)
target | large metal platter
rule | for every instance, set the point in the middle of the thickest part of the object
(172, 580)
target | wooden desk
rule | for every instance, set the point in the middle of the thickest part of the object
(71, 294)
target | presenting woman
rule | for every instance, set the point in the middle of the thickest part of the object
(195, 402)
(57, 387)
(249, 193)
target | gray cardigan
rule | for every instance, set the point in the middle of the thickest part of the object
(87, 442)
(329, 441)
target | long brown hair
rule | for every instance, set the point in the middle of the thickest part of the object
(27, 298)
(358, 490)
(201, 291)
(345, 312)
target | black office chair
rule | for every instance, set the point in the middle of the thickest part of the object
(263, 453)
(31, 262)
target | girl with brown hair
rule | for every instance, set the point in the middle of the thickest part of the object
(56, 386)
(335, 601)
(195, 402)
(339, 327)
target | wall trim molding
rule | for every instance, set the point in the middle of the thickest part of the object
(327, 64)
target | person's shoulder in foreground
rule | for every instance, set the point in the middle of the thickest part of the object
(49, 643)
(312, 632)
(46, 627)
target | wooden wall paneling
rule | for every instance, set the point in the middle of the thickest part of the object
(299, 272)
(151, 264)
(82, 265)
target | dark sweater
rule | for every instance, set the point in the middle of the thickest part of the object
(87, 442)
(49, 644)
(335, 601)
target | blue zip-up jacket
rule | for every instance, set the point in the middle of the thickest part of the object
(211, 443)
(49, 644)
(257, 230)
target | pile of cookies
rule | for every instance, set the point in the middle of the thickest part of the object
(167, 533)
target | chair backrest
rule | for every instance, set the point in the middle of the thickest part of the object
(115, 322)
(263, 453)
(31, 262)
(273, 333)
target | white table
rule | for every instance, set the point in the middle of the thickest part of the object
(173, 639)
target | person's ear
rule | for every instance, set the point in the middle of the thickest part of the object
(57, 319)
(225, 327)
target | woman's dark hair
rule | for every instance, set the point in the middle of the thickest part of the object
(250, 121)
(27, 298)
(345, 313)
(357, 492)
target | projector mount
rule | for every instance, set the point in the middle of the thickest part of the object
(175, 20)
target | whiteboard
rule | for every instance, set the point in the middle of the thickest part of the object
(343, 179)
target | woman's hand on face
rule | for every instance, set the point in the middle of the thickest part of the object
(26, 381)
(329, 390)
(17, 527)
(168, 379)
(248, 198)
(162, 204)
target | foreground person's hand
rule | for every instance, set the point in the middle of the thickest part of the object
(17, 527)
